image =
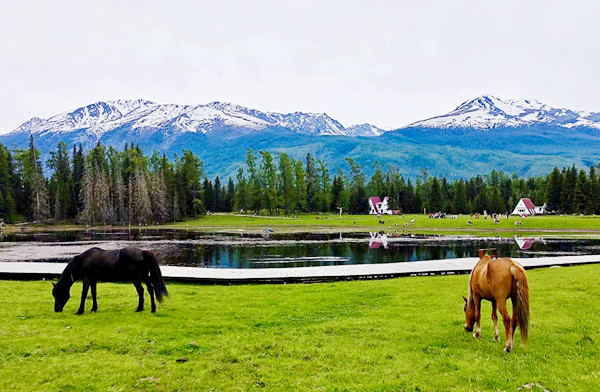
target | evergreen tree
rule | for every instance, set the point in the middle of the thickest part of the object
(286, 182)
(268, 176)
(582, 195)
(311, 183)
(358, 196)
(142, 206)
(61, 183)
(40, 208)
(229, 196)
(209, 194)
(300, 198)
(324, 186)
(460, 198)
(217, 195)
(435, 196)
(78, 163)
(553, 190)
(8, 207)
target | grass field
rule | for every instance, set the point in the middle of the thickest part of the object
(386, 335)
(549, 225)
(568, 224)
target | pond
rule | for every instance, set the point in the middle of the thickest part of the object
(272, 250)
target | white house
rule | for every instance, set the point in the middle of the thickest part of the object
(378, 207)
(525, 207)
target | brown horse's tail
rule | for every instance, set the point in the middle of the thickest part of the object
(521, 289)
(160, 290)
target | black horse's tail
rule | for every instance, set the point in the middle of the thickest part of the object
(160, 290)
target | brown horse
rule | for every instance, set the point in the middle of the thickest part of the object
(496, 281)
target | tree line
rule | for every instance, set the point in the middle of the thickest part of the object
(106, 186)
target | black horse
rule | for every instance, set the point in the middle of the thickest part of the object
(121, 265)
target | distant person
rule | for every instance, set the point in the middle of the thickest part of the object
(1, 224)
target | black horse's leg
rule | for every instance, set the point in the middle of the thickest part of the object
(84, 292)
(93, 287)
(140, 291)
(150, 288)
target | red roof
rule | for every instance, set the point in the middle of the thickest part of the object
(528, 203)
(375, 200)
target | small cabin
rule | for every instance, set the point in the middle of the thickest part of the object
(379, 207)
(525, 207)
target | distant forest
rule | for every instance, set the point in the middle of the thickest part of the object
(106, 186)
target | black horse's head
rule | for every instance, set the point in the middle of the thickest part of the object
(60, 291)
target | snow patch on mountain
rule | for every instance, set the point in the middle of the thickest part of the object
(145, 116)
(364, 130)
(487, 112)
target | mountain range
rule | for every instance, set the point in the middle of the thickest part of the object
(522, 136)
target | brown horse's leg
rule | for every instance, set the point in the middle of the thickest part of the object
(140, 291)
(495, 320)
(507, 325)
(515, 319)
(477, 303)
(150, 288)
(93, 287)
(84, 292)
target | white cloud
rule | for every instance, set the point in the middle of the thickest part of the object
(384, 62)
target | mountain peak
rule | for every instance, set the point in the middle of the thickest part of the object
(487, 111)
(146, 116)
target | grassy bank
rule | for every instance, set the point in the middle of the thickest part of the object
(568, 225)
(399, 334)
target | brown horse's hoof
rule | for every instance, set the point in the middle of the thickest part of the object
(496, 339)
(139, 310)
(507, 349)
(476, 335)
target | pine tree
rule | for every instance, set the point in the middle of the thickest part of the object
(8, 207)
(324, 186)
(286, 182)
(78, 163)
(229, 196)
(142, 207)
(358, 196)
(158, 196)
(311, 183)
(62, 183)
(582, 195)
(209, 194)
(218, 196)
(553, 190)
(268, 177)
(300, 187)
(37, 184)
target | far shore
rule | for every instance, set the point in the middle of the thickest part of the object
(416, 224)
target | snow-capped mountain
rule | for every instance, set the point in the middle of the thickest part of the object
(364, 130)
(145, 116)
(487, 112)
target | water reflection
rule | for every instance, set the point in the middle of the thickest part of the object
(243, 250)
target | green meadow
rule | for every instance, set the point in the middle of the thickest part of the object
(549, 224)
(403, 334)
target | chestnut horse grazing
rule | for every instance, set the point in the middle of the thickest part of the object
(496, 281)
(120, 265)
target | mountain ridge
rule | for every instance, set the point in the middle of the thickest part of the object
(452, 145)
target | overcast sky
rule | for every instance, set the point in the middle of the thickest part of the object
(388, 63)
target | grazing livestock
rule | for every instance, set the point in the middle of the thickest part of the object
(496, 281)
(120, 265)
